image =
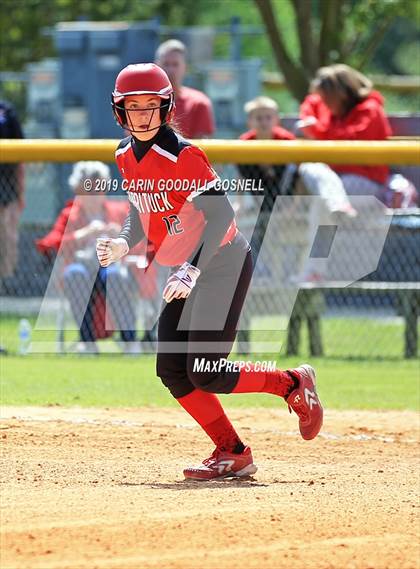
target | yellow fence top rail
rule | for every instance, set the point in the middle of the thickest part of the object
(226, 151)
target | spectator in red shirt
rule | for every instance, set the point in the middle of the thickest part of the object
(263, 121)
(276, 179)
(264, 124)
(193, 112)
(74, 235)
(343, 106)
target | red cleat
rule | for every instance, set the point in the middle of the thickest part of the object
(305, 402)
(222, 464)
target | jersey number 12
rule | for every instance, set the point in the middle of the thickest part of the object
(173, 223)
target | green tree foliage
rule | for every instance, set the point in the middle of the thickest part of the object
(24, 24)
(301, 35)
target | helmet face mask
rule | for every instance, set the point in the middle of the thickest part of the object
(142, 79)
(123, 117)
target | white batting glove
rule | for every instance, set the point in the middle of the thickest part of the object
(181, 283)
(110, 250)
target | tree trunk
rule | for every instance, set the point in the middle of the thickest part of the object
(330, 41)
(293, 74)
(308, 49)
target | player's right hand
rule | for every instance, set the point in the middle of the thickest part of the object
(110, 250)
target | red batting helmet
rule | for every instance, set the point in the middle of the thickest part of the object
(142, 79)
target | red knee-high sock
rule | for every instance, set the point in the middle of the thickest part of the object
(207, 410)
(276, 382)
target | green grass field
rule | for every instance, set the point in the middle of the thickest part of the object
(118, 381)
(362, 380)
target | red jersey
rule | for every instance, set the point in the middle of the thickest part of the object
(365, 121)
(194, 113)
(162, 186)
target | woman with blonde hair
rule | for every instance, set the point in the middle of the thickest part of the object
(342, 105)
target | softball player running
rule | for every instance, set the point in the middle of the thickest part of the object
(193, 231)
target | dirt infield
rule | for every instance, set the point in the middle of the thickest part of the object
(85, 489)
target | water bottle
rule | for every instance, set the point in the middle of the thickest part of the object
(398, 184)
(25, 330)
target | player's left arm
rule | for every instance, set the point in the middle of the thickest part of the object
(211, 200)
(218, 214)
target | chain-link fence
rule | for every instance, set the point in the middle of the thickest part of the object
(309, 246)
